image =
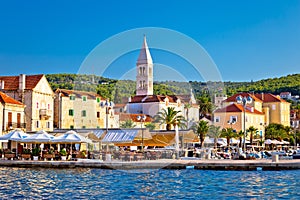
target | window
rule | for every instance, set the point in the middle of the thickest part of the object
(273, 107)
(37, 105)
(217, 119)
(37, 124)
(48, 106)
(233, 119)
(83, 98)
(98, 99)
(72, 97)
(83, 126)
(71, 112)
(98, 114)
(48, 125)
(83, 113)
(71, 127)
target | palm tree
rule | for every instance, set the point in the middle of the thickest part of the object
(127, 124)
(240, 135)
(228, 133)
(170, 117)
(252, 130)
(205, 106)
(214, 132)
(201, 129)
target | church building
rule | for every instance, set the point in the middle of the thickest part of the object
(145, 102)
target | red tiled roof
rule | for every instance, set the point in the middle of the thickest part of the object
(269, 98)
(12, 82)
(238, 108)
(7, 99)
(243, 94)
(133, 117)
(120, 105)
(153, 98)
(78, 94)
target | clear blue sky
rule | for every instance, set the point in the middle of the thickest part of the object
(248, 40)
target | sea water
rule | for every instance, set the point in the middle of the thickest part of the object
(41, 183)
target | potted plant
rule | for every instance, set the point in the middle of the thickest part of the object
(49, 154)
(63, 154)
(36, 153)
(26, 154)
(9, 155)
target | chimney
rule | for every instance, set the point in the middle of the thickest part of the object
(22, 81)
(262, 96)
(2, 85)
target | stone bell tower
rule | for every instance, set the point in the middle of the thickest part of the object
(144, 69)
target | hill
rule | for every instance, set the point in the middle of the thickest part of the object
(118, 89)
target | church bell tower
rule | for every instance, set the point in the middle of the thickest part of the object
(144, 69)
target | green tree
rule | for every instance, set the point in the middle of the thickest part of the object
(252, 130)
(214, 132)
(170, 117)
(127, 124)
(276, 131)
(205, 106)
(201, 128)
(228, 133)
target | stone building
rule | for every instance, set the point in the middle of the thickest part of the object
(12, 114)
(35, 92)
(81, 110)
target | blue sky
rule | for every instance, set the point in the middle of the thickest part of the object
(247, 40)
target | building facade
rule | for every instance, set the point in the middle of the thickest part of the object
(36, 94)
(12, 114)
(81, 110)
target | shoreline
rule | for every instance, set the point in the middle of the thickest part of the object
(238, 165)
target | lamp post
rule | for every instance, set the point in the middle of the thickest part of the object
(244, 101)
(295, 126)
(142, 119)
(107, 105)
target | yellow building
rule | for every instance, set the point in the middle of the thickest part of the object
(233, 115)
(263, 110)
(80, 109)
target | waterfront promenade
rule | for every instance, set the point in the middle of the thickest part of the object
(248, 165)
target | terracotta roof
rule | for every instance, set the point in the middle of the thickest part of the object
(153, 98)
(120, 105)
(238, 108)
(78, 94)
(12, 82)
(7, 99)
(133, 117)
(243, 94)
(269, 98)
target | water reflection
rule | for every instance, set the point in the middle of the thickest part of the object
(163, 184)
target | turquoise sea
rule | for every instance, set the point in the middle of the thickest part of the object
(41, 183)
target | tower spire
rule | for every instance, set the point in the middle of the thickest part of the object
(144, 66)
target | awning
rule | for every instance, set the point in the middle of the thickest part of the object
(120, 136)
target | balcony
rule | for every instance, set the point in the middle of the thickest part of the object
(13, 125)
(45, 114)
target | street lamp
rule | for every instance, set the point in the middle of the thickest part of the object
(107, 105)
(244, 101)
(142, 119)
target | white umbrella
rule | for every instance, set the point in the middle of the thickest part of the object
(71, 137)
(39, 137)
(16, 135)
